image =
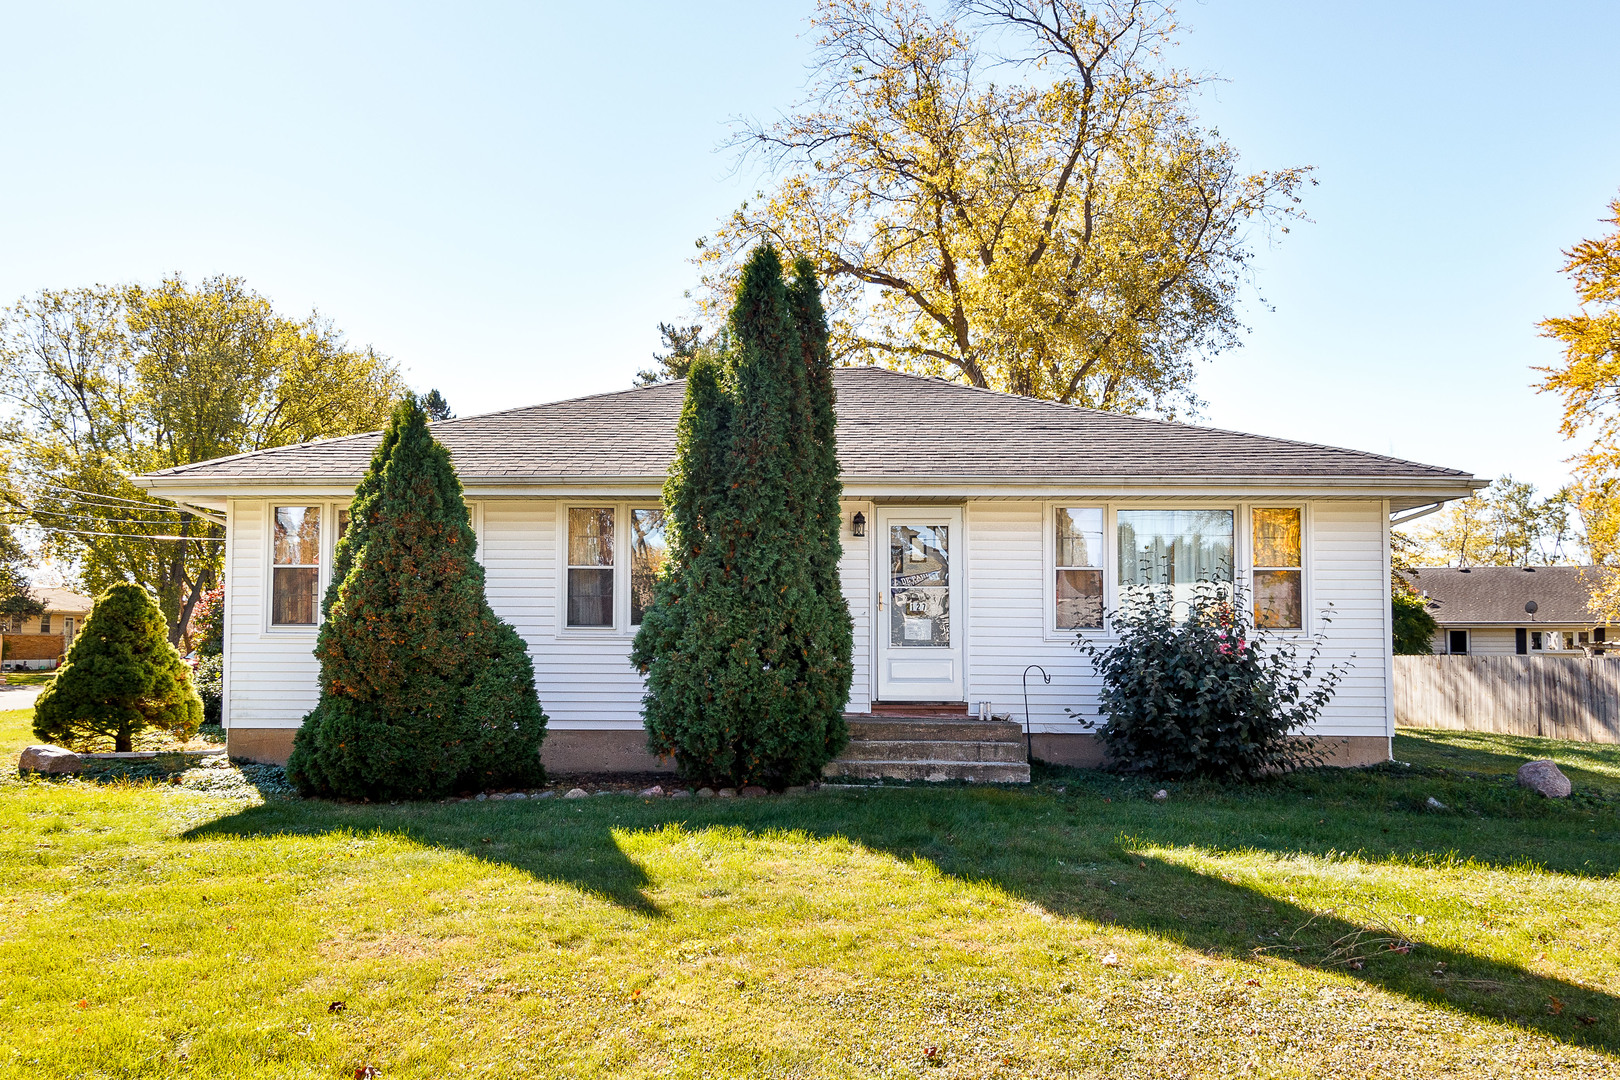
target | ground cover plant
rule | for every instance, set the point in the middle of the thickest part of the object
(1326, 924)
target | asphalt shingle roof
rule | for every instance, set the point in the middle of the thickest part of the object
(890, 425)
(1497, 594)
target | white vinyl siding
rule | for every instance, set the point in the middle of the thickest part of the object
(585, 681)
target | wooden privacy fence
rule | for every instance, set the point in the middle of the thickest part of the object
(1556, 697)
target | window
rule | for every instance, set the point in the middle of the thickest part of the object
(67, 628)
(590, 566)
(296, 569)
(1535, 640)
(1457, 642)
(1079, 567)
(648, 548)
(45, 623)
(1278, 578)
(1174, 549)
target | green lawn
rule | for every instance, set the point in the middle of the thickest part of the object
(29, 678)
(1331, 924)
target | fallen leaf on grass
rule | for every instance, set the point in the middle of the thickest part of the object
(366, 1072)
(1555, 1006)
(1110, 961)
(1587, 1020)
(336, 1007)
(1251, 982)
(82, 1003)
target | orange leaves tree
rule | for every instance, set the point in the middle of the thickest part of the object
(1016, 194)
(1588, 379)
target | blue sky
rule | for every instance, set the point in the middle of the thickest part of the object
(505, 197)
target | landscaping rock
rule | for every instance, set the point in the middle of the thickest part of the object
(545, 795)
(1545, 778)
(680, 793)
(480, 797)
(1436, 804)
(706, 793)
(1161, 795)
(50, 760)
(518, 795)
(655, 790)
(497, 796)
(727, 793)
(752, 791)
(576, 793)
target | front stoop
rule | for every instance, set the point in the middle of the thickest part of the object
(933, 748)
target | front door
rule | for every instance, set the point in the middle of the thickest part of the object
(919, 605)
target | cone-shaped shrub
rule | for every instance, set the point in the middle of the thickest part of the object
(746, 649)
(121, 677)
(423, 689)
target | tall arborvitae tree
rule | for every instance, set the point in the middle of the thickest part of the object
(742, 647)
(121, 677)
(423, 689)
(816, 426)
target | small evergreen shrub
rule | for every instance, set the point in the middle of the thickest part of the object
(423, 690)
(1209, 695)
(121, 677)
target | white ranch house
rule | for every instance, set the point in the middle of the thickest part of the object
(982, 532)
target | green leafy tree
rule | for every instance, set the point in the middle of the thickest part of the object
(121, 677)
(423, 689)
(682, 345)
(745, 653)
(1504, 525)
(106, 383)
(436, 407)
(16, 594)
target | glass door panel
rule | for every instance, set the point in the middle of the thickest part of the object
(919, 586)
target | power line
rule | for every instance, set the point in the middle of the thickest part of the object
(131, 536)
(111, 498)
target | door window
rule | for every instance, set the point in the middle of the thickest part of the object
(919, 586)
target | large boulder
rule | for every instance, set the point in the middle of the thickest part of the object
(49, 759)
(1544, 777)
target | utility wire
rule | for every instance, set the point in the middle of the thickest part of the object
(108, 498)
(132, 536)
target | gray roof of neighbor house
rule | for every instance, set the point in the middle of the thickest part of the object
(890, 426)
(1497, 594)
(63, 600)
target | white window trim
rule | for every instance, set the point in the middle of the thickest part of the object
(621, 628)
(1307, 612)
(1242, 556)
(329, 541)
(322, 569)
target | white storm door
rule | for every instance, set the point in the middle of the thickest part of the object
(919, 617)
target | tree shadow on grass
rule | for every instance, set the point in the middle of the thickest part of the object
(551, 840)
(1081, 857)
(1107, 878)
(1591, 766)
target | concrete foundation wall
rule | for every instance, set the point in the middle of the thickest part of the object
(1086, 751)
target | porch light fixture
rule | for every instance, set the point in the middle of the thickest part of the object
(857, 524)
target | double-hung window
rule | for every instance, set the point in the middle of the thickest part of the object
(1079, 584)
(1279, 596)
(296, 569)
(590, 566)
(45, 623)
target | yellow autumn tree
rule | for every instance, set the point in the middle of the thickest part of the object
(1016, 194)
(1588, 379)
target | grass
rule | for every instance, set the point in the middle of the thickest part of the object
(1329, 924)
(1589, 766)
(29, 678)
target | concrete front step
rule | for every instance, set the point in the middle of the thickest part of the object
(864, 726)
(982, 772)
(934, 750)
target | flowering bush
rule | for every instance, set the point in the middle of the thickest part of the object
(1195, 689)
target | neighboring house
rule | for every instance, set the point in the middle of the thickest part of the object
(40, 641)
(1502, 610)
(982, 533)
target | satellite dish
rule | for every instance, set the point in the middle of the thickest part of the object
(1530, 607)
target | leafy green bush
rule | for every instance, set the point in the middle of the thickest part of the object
(208, 623)
(1414, 626)
(1195, 689)
(423, 690)
(121, 677)
(209, 679)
